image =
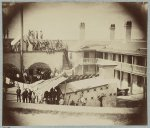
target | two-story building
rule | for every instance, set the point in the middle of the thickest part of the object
(129, 55)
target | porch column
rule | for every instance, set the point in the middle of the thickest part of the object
(124, 80)
(121, 73)
(131, 76)
(144, 88)
(103, 55)
(112, 56)
(131, 84)
(145, 62)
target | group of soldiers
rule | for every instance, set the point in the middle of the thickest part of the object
(53, 96)
(28, 96)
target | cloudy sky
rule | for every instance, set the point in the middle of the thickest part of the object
(62, 21)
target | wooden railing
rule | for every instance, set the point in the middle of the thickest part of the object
(139, 69)
(90, 60)
(135, 69)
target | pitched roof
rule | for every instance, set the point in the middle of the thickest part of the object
(85, 84)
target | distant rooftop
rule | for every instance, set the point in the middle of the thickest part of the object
(135, 46)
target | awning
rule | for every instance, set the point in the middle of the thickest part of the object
(85, 84)
(52, 83)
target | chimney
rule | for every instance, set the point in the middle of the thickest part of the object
(128, 26)
(82, 31)
(112, 31)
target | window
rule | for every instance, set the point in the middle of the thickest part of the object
(86, 54)
(129, 79)
(106, 55)
(100, 55)
(87, 90)
(92, 54)
(119, 58)
(106, 87)
(94, 89)
(130, 59)
(140, 60)
(123, 58)
(110, 94)
(91, 97)
(140, 81)
(114, 57)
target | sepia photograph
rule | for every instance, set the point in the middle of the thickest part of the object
(74, 63)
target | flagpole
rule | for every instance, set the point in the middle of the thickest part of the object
(21, 51)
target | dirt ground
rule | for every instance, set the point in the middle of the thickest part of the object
(25, 114)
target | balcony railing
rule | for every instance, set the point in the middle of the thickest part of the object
(139, 69)
(90, 60)
(135, 69)
(126, 67)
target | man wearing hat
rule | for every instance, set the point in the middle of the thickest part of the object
(18, 91)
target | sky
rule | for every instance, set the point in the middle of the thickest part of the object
(62, 21)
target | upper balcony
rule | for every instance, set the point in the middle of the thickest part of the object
(90, 61)
(130, 68)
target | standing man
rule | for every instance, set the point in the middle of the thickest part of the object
(51, 96)
(18, 94)
(33, 96)
(26, 95)
(23, 96)
(58, 94)
(54, 95)
(30, 96)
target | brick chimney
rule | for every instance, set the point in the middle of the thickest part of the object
(82, 31)
(112, 31)
(128, 26)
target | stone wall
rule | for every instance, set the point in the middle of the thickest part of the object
(53, 60)
(91, 96)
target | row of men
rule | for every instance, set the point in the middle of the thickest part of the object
(27, 96)
(51, 97)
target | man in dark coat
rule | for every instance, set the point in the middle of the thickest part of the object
(54, 96)
(29, 96)
(46, 94)
(58, 93)
(18, 91)
(25, 95)
(51, 93)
